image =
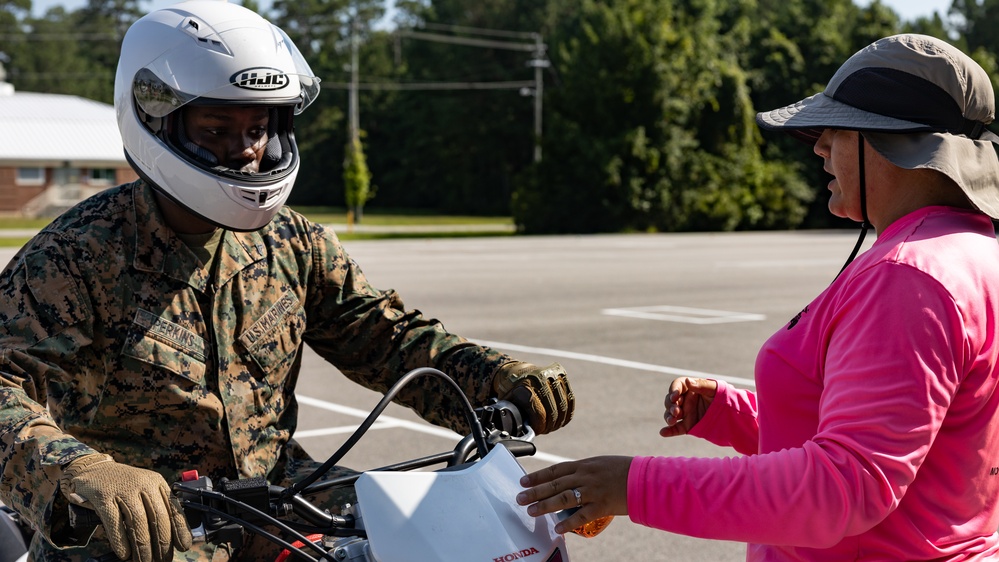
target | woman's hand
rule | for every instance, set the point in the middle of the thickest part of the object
(598, 486)
(687, 401)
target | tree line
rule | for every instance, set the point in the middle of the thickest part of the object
(647, 106)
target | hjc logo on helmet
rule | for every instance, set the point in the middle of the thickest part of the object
(260, 78)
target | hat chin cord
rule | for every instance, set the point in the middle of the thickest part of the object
(863, 203)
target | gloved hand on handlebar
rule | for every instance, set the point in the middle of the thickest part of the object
(143, 523)
(543, 395)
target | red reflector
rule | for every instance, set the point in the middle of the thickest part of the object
(189, 475)
(556, 556)
(314, 539)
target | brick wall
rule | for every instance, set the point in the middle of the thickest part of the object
(14, 197)
(125, 175)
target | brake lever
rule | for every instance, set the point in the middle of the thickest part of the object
(83, 521)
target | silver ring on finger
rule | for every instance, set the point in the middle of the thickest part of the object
(579, 497)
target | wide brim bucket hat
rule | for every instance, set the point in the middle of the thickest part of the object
(920, 102)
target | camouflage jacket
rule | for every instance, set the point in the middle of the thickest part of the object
(114, 338)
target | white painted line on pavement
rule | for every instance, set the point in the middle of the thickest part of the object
(683, 314)
(616, 362)
(340, 430)
(389, 421)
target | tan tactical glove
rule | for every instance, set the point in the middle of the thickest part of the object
(141, 520)
(543, 395)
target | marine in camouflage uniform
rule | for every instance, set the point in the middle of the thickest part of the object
(116, 339)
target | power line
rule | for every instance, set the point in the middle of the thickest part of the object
(468, 41)
(508, 85)
(536, 47)
(480, 31)
(62, 37)
(98, 74)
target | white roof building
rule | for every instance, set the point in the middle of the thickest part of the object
(42, 129)
(56, 150)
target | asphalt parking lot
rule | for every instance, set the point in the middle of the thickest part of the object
(624, 314)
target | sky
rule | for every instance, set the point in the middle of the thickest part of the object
(907, 9)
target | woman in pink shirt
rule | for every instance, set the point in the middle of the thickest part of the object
(874, 430)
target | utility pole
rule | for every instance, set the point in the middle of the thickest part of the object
(539, 62)
(353, 118)
(355, 121)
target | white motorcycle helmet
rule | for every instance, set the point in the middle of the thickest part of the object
(210, 52)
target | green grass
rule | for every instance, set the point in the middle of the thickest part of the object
(335, 215)
(6, 242)
(397, 235)
(396, 217)
(338, 216)
(13, 222)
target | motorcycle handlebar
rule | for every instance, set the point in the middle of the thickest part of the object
(252, 502)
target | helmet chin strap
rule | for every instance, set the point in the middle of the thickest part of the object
(863, 203)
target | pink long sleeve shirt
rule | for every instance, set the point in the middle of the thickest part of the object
(874, 431)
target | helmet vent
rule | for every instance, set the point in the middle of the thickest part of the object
(258, 197)
(203, 33)
(213, 45)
